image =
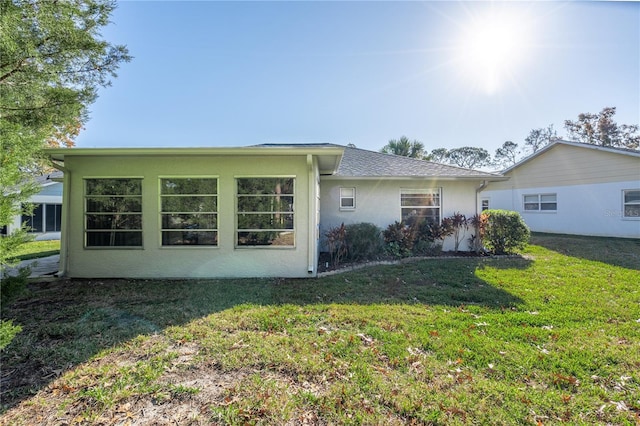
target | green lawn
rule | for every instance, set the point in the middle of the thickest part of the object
(551, 337)
(37, 249)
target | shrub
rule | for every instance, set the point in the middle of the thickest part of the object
(459, 224)
(336, 243)
(12, 286)
(363, 241)
(399, 239)
(505, 231)
(478, 223)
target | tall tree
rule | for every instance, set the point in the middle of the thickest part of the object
(601, 129)
(469, 157)
(404, 147)
(539, 138)
(439, 155)
(53, 61)
(507, 155)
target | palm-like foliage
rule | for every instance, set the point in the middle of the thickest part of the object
(404, 147)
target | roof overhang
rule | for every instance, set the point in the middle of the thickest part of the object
(328, 156)
(429, 178)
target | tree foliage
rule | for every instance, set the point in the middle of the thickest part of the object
(507, 155)
(539, 138)
(404, 147)
(601, 129)
(53, 61)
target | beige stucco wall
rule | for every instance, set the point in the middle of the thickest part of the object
(570, 165)
(154, 261)
(378, 201)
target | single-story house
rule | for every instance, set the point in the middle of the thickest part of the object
(573, 188)
(45, 219)
(238, 212)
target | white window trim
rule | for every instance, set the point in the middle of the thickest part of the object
(625, 204)
(422, 191)
(539, 209)
(294, 212)
(353, 197)
(160, 213)
(84, 214)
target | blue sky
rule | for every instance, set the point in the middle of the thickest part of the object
(448, 74)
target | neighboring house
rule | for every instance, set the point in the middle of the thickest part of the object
(45, 219)
(573, 188)
(237, 212)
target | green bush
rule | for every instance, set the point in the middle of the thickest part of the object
(505, 232)
(399, 239)
(364, 241)
(12, 286)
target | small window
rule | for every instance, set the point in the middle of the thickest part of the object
(484, 204)
(631, 200)
(347, 198)
(420, 204)
(265, 214)
(113, 212)
(189, 211)
(540, 203)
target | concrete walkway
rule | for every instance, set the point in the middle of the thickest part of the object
(44, 267)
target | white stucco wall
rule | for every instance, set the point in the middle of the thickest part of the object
(378, 202)
(590, 209)
(155, 261)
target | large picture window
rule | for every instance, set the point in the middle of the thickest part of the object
(541, 203)
(189, 211)
(631, 201)
(265, 212)
(113, 212)
(420, 204)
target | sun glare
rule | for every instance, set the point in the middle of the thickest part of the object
(491, 48)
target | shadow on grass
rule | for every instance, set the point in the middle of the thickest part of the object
(623, 252)
(67, 322)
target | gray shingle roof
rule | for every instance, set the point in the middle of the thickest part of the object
(358, 162)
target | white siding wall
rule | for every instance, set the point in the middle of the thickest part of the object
(154, 261)
(591, 209)
(378, 202)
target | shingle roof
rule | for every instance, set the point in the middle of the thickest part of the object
(358, 162)
(48, 177)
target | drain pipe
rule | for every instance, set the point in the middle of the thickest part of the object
(64, 234)
(479, 189)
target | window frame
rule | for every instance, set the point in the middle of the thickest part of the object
(352, 197)
(632, 203)
(539, 202)
(161, 213)
(482, 204)
(280, 231)
(422, 191)
(86, 213)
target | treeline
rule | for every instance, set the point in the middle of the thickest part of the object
(598, 129)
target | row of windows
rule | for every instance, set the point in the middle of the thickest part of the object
(415, 203)
(189, 212)
(43, 218)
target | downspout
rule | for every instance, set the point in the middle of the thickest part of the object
(64, 234)
(482, 186)
(312, 243)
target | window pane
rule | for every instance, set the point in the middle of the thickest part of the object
(632, 210)
(266, 238)
(114, 239)
(114, 221)
(193, 204)
(34, 221)
(189, 221)
(265, 221)
(265, 186)
(420, 200)
(347, 192)
(431, 215)
(531, 206)
(548, 206)
(265, 203)
(114, 186)
(53, 213)
(181, 238)
(531, 199)
(632, 197)
(346, 202)
(114, 205)
(548, 198)
(189, 186)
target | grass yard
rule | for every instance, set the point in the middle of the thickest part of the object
(37, 249)
(548, 338)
